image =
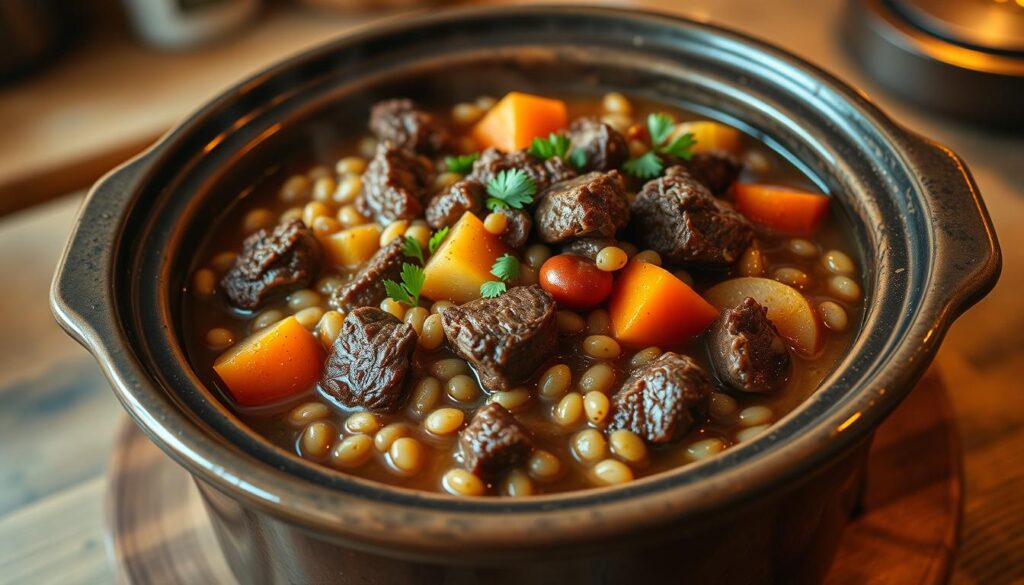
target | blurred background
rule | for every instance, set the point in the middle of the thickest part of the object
(85, 85)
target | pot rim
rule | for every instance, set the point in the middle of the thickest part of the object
(376, 516)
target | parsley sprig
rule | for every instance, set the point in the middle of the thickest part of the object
(506, 268)
(552, 146)
(661, 127)
(413, 276)
(461, 164)
(412, 249)
(436, 239)
(408, 291)
(510, 189)
(557, 145)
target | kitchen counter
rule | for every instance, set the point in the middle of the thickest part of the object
(57, 417)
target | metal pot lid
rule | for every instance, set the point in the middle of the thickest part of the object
(965, 58)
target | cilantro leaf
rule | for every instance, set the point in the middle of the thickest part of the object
(408, 291)
(413, 249)
(660, 127)
(492, 289)
(397, 291)
(506, 268)
(578, 158)
(680, 146)
(512, 188)
(461, 164)
(647, 166)
(436, 239)
(552, 146)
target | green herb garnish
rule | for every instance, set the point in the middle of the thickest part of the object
(552, 146)
(506, 269)
(510, 189)
(492, 289)
(646, 166)
(413, 249)
(578, 158)
(681, 146)
(461, 164)
(650, 164)
(408, 291)
(436, 239)
(660, 127)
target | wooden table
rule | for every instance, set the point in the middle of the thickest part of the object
(57, 417)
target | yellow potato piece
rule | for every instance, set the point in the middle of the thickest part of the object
(789, 310)
(712, 136)
(463, 262)
(352, 247)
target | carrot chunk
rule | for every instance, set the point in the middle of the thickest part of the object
(650, 306)
(519, 118)
(786, 210)
(271, 365)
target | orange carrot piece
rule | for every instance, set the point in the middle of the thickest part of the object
(517, 119)
(650, 306)
(271, 365)
(786, 210)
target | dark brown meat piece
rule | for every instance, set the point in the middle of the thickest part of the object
(588, 247)
(272, 264)
(369, 361)
(446, 208)
(506, 338)
(717, 170)
(394, 185)
(366, 287)
(662, 399)
(399, 122)
(593, 205)
(543, 172)
(603, 146)
(493, 442)
(517, 227)
(746, 349)
(679, 219)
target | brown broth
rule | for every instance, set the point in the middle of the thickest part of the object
(202, 314)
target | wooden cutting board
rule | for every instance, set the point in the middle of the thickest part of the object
(906, 532)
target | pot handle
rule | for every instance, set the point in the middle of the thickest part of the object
(79, 295)
(968, 256)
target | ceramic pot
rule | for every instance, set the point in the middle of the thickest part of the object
(767, 511)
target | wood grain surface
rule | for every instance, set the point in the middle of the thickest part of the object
(57, 417)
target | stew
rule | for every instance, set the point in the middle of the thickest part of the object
(524, 296)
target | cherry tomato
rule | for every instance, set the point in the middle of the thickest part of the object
(574, 281)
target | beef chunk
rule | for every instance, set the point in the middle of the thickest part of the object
(505, 338)
(366, 287)
(594, 205)
(588, 247)
(746, 349)
(399, 122)
(517, 227)
(494, 441)
(662, 399)
(717, 170)
(679, 219)
(543, 172)
(369, 361)
(394, 185)
(604, 147)
(272, 264)
(446, 208)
